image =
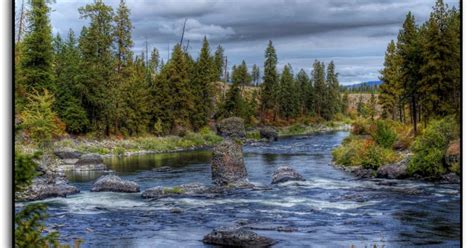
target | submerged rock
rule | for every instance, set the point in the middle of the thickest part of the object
(227, 163)
(112, 183)
(451, 178)
(45, 186)
(394, 171)
(231, 127)
(269, 133)
(237, 237)
(89, 161)
(284, 174)
(362, 172)
(185, 189)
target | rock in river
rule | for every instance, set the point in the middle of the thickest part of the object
(46, 186)
(231, 127)
(284, 174)
(227, 163)
(394, 171)
(269, 133)
(237, 237)
(90, 161)
(185, 189)
(113, 183)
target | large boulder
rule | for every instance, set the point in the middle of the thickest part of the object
(180, 190)
(89, 162)
(227, 164)
(269, 133)
(451, 178)
(67, 153)
(45, 186)
(394, 171)
(113, 183)
(231, 127)
(453, 153)
(285, 174)
(237, 237)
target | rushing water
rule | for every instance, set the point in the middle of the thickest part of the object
(330, 209)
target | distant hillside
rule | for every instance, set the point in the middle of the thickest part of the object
(369, 86)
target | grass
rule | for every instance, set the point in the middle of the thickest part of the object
(205, 137)
(173, 190)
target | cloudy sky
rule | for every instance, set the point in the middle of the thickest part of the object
(353, 33)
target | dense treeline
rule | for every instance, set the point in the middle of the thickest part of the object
(361, 88)
(96, 84)
(422, 69)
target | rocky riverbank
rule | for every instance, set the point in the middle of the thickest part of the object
(398, 170)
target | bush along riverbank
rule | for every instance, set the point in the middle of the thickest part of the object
(388, 149)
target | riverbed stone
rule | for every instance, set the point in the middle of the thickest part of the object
(227, 164)
(362, 172)
(231, 127)
(89, 162)
(67, 153)
(180, 190)
(113, 183)
(394, 171)
(285, 174)
(451, 178)
(269, 133)
(48, 185)
(237, 237)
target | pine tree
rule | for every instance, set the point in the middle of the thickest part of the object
(439, 63)
(391, 89)
(123, 36)
(36, 71)
(177, 76)
(409, 46)
(154, 63)
(286, 96)
(218, 64)
(306, 91)
(68, 102)
(255, 74)
(333, 92)
(270, 83)
(372, 106)
(234, 103)
(97, 65)
(202, 88)
(320, 89)
(136, 98)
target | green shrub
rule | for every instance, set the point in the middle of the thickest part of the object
(158, 127)
(119, 151)
(253, 135)
(429, 148)
(355, 151)
(376, 156)
(456, 168)
(384, 135)
(360, 127)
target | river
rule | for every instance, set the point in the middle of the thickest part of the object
(330, 209)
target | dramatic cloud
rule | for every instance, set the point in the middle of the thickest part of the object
(352, 33)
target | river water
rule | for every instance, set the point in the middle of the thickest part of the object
(330, 209)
